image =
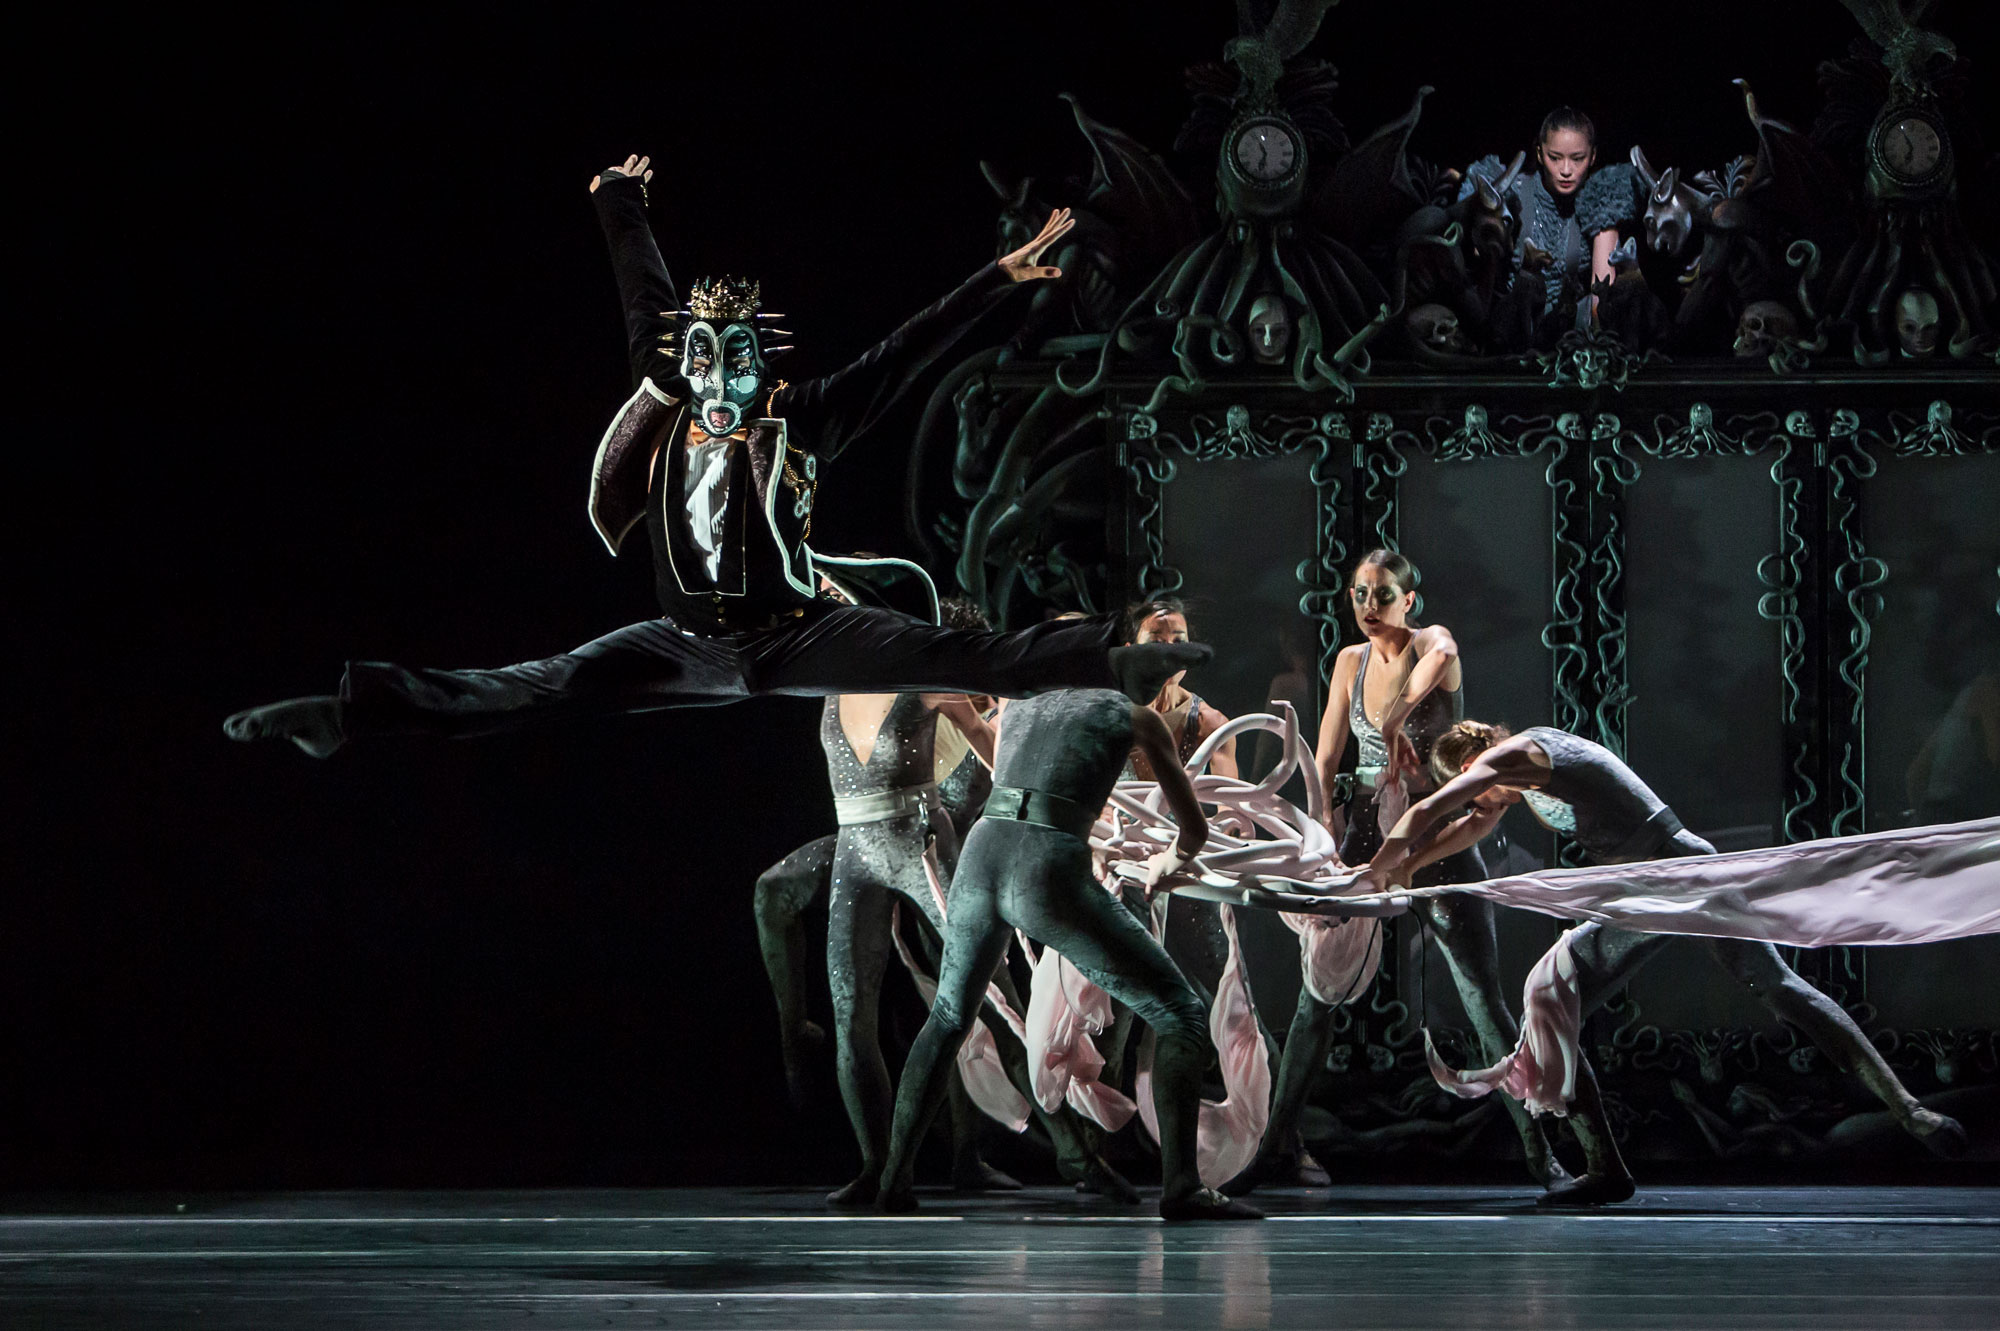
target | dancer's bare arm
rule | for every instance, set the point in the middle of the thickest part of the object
(1509, 763)
(958, 709)
(1152, 738)
(1437, 664)
(1333, 728)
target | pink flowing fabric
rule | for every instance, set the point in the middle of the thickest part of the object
(1911, 885)
(1337, 958)
(1228, 1134)
(1064, 1011)
(979, 1065)
(1392, 801)
(1541, 1072)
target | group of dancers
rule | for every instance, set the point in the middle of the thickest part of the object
(984, 824)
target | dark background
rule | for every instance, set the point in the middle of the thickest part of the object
(315, 337)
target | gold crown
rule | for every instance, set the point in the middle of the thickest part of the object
(727, 298)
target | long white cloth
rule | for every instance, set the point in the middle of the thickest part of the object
(1915, 885)
(1910, 885)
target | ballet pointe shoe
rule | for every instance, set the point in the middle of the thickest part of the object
(1206, 1204)
(896, 1201)
(975, 1175)
(1590, 1190)
(859, 1195)
(1096, 1177)
(1941, 1134)
(311, 723)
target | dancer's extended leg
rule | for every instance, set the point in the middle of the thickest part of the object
(857, 953)
(783, 892)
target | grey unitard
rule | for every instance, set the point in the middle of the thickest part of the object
(1018, 874)
(1618, 819)
(863, 867)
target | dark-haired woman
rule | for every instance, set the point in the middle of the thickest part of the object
(1589, 792)
(1569, 210)
(1395, 693)
(1189, 719)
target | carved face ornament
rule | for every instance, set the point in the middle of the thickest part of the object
(1917, 323)
(1270, 329)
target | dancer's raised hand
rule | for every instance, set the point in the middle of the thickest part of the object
(634, 165)
(1023, 265)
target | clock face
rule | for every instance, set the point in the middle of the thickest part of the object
(1910, 148)
(1265, 151)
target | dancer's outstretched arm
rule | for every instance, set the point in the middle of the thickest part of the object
(645, 290)
(1508, 763)
(828, 413)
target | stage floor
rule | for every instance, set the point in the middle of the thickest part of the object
(1343, 1257)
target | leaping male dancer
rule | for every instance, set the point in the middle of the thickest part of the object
(727, 499)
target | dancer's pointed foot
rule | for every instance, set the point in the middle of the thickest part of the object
(1940, 1134)
(858, 1195)
(975, 1175)
(311, 723)
(1206, 1204)
(897, 1201)
(1143, 669)
(1094, 1176)
(1311, 1173)
(1590, 1190)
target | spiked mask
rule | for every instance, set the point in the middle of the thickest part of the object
(722, 353)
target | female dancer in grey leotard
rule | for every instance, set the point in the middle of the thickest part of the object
(1027, 864)
(1429, 702)
(1588, 791)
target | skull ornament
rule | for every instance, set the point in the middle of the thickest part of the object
(1917, 323)
(1765, 327)
(1270, 329)
(1435, 328)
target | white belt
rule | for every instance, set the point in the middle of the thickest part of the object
(850, 810)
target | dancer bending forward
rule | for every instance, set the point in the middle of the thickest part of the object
(1027, 865)
(1584, 789)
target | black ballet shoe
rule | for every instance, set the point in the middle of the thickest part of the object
(1941, 1134)
(1099, 1179)
(978, 1176)
(859, 1195)
(897, 1201)
(1590, 1190)
(1143, 669)
(1311, 1173)
(1206, 1204)
(311, 723)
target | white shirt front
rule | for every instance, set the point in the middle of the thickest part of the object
(708, 498)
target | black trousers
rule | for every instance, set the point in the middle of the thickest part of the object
(649, 666)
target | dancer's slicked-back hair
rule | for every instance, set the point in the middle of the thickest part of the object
(1464, 741)
(1567, 117)
(1396, 564)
